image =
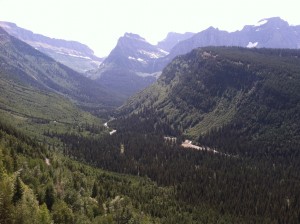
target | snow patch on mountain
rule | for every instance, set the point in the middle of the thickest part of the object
(164, 52)
(131, 58)
(137, 59)
(252, 45)
(144, 74)
(74, 55)
(261, 22)
(158, 54)
(141, 60)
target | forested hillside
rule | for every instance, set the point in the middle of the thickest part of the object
(253, 94)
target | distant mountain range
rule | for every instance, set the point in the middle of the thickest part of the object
(73, 54)
(135, 59)
(135, 64)
(267, 33)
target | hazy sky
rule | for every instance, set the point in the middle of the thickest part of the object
(99, 23)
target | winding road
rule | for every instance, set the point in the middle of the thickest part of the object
(106, 125)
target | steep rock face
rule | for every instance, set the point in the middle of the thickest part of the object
(134, 53)
(129, 67)
(172, 39)
(254, 92)
(71, 53)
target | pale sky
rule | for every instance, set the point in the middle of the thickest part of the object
(99, 23)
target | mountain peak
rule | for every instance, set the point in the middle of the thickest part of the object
(172, 39)
(7, 24)
(212, 28)
(134, 52)
(134, 36)
(174, 34)
(273, 21)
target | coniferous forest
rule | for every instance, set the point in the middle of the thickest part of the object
(256, 188)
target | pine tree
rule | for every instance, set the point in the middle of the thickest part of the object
(18, 191)
(49, 197)
(94, 190)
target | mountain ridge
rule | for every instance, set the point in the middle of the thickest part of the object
(172, 39)
(71, 53)
(250, 33)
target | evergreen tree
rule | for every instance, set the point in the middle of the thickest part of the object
(95, 190)
(49, 197)
(18, 191)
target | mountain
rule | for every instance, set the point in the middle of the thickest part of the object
(31, 67)
(272, 33)
(172, 39)
(267, 33)
(133, 53)
(128, 68)
(70, 53)
(251, 93)
(209, 37)
(36, 89)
